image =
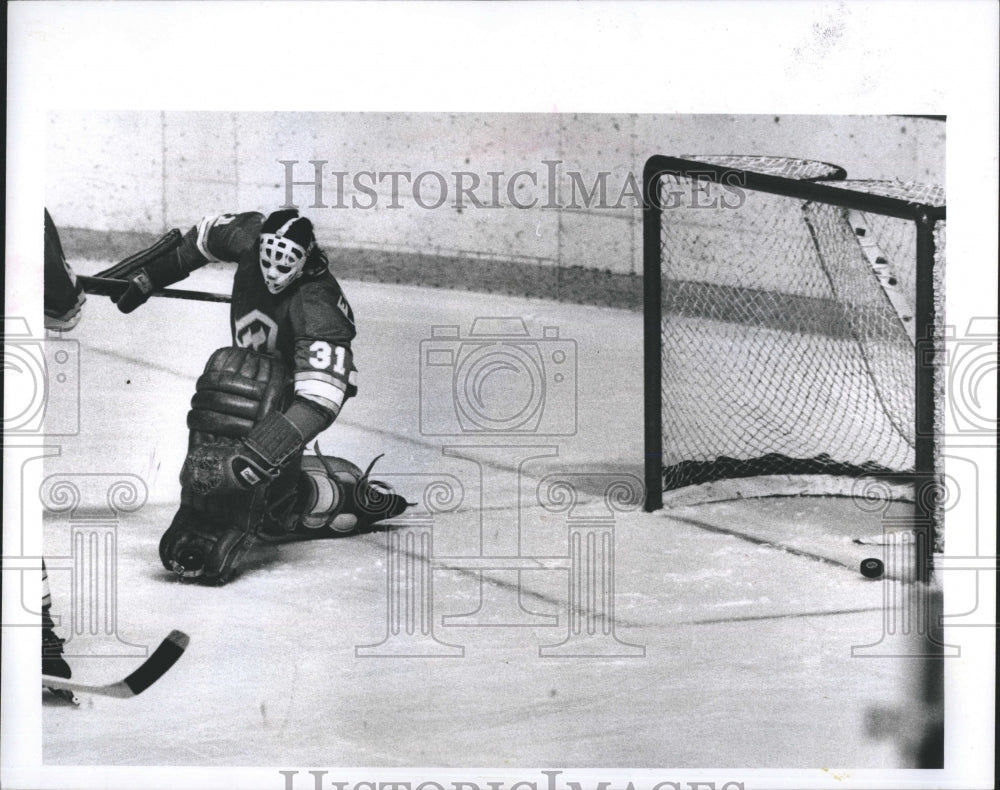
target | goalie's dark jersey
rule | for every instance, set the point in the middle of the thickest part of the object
(310, 324)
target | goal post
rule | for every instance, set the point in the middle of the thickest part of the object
(791, 318)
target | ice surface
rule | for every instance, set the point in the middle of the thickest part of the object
(747, 647)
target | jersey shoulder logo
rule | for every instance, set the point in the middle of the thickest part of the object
(258, 331)
(345, 308)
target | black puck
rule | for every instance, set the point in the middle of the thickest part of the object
(872, 568)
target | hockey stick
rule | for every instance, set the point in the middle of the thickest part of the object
(106, 286)
(151, 670)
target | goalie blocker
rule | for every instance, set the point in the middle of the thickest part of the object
(245, 477)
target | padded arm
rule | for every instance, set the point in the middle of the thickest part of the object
(310, 420)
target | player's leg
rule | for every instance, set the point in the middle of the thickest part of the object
(53, 662)
(64, 296)
(63, 302)
(213, 530)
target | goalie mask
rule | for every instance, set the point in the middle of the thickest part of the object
(286, 241)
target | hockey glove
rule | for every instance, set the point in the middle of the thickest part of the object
(256, 460)
(158, 273)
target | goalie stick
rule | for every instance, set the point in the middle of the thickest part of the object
(106, 286)
(151, 670)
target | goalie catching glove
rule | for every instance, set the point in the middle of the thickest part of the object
(148, 270)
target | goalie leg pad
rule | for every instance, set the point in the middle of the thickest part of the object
(193, 548)
(214, 530)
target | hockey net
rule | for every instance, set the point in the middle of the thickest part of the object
(785, 306)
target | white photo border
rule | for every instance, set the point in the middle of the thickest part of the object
(937, 58)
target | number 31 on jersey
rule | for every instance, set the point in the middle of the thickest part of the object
(322, 354)
(330, 378)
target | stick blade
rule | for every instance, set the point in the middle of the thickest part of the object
(164, 657)
(151, 670)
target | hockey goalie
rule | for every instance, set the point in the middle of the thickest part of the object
(260, 402)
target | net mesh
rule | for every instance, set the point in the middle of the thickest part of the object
(787, 334)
